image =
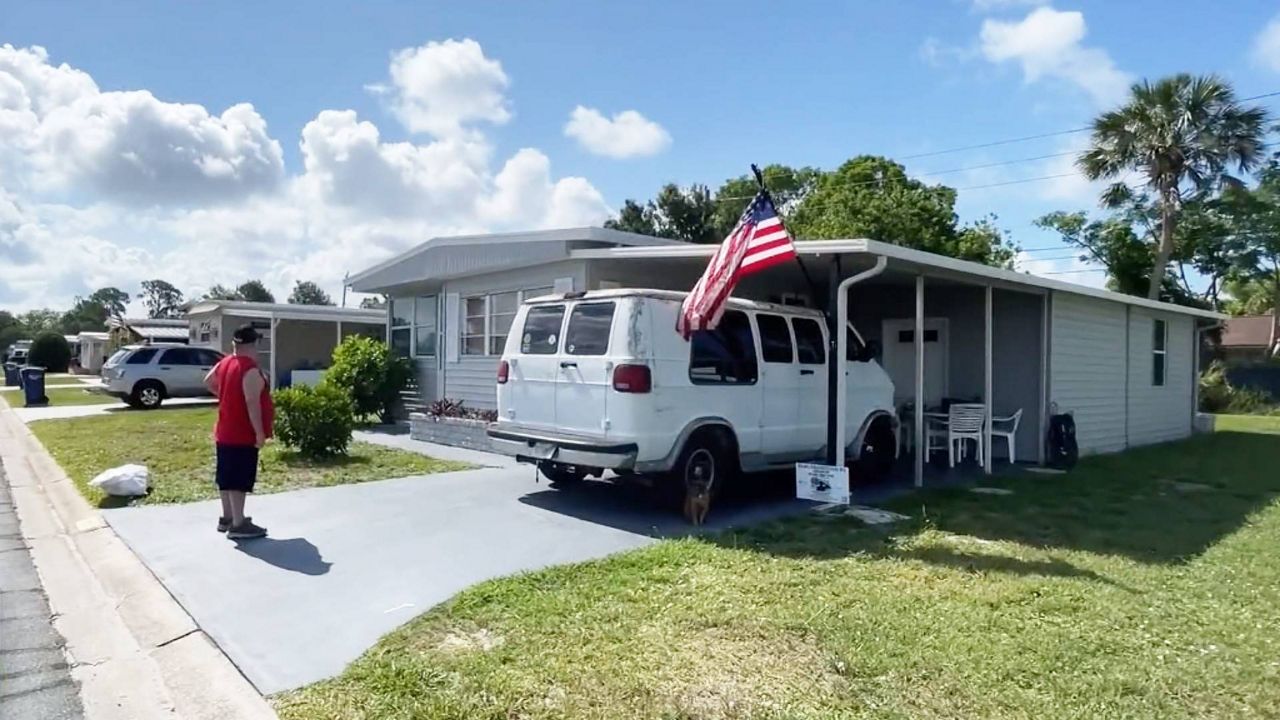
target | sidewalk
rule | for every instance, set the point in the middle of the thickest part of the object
(34, 679)
(132, 650)
(58, 412)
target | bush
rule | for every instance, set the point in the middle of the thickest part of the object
(51, 352)
(1218, 395)
(367, 371)
(447, 408)
(317, 422)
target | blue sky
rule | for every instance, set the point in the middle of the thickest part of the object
(716, 86)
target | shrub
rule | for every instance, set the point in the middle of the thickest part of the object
(50, 351)
(455, 409)
(317, 422)
(1218, 395)
(367, 371)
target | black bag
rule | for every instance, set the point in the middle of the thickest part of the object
(1063, 450)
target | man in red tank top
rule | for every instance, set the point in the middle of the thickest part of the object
(245, 419)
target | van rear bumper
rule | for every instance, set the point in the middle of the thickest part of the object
(537, 445)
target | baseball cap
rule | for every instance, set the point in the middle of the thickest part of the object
(245, 335)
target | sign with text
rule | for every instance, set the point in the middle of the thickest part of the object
(823, 483)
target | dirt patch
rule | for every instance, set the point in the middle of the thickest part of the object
(475, 641)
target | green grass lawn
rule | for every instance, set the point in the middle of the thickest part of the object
(1141, 585)
(1248, 423)
(176, 445)
(63, 396)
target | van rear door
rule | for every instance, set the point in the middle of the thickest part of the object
(533, 358)
(585, 368)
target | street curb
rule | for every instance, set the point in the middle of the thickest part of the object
(134, 651)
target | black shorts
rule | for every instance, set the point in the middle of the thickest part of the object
(237, 467)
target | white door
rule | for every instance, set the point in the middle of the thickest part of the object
(533, 358)
(900, 359)
(811, 386)
(780, 380)
(582, 389)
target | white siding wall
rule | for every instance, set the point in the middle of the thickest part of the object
(472, 378)
(1158, 414)
(1101, 370)
(1088, 369)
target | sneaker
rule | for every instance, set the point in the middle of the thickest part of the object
(246, 531)
(224, 523)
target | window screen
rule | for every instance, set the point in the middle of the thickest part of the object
(541, 330)
(473, 325)
(775, 339)
(810, 348)
(502, 311)
(726, 355)
(1159, 338)
(589, 326)
(424, 326)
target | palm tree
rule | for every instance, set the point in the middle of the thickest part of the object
(1182, 134)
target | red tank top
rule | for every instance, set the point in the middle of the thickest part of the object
(233, 426)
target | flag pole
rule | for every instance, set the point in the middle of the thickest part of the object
(804, 269)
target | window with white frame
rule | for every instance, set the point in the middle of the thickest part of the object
(424, 326)
(486, 319)
(1159, 341)
(402, 326)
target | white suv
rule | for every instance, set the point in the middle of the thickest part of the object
(602, 380)
(144, 375)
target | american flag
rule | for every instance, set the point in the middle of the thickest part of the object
(759, 241)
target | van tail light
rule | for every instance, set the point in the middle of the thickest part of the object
(632, 379)
(504, 372)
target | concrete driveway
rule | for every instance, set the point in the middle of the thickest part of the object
(345, 565)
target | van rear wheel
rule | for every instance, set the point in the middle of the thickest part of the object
(875, 459)
(706, 464)
(562, 476)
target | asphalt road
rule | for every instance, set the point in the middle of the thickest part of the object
(34, 679)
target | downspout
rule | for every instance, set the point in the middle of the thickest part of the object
(842, 349)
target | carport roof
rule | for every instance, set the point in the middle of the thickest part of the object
(903, 258)
(281, 311)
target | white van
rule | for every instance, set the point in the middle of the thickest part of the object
(602, 381)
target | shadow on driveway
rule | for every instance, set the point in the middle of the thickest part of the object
(293, 554)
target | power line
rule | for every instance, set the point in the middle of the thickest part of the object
(995, 143)
(1070, 272)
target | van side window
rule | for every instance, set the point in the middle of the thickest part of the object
(541, 334)
(810, 348)
(589, 326)
(775, 339)
(726, 355)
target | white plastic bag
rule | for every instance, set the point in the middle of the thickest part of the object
(123, 481)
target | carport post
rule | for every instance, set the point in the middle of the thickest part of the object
(988, 385)
(339, 334)
(921, 443)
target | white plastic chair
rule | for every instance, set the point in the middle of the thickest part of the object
(964, 422)
(1007, 428)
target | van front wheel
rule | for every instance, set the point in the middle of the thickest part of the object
(560, 475)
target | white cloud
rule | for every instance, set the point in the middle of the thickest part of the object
(65, 134)
(627, 134)
(201, 199)
(441, 87)
(992, 5)
(1048, 43)
(1266, 46)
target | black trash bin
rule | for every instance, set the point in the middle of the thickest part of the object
(33, 386)
(11, 374)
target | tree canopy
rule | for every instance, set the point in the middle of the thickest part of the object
(868, 196)
(306, 292)
(162, 299)
(254, 291)
(1184, 136)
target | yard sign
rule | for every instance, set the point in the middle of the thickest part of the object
(823, 483)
